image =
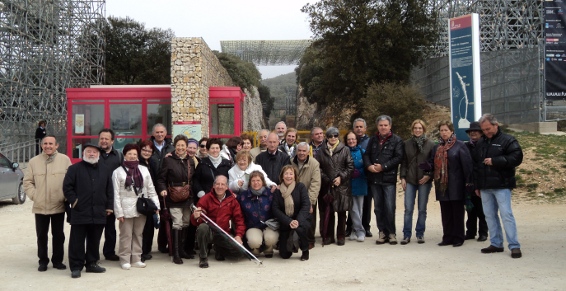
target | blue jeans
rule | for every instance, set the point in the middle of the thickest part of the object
(410, 195)
(384, 203)
(492, 201)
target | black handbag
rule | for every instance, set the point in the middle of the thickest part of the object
(145, 205)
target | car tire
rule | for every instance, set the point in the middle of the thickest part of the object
(20, 197)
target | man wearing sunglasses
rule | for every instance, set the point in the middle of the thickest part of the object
(383, 155)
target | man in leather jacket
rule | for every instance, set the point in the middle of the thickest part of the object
(495, 158)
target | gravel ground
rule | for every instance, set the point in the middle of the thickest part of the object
(355, 266)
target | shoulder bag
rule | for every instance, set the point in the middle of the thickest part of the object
(181, 193)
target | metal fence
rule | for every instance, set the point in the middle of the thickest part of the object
(20, 152)
(512, 84)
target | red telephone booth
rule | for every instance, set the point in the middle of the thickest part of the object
(226, 106)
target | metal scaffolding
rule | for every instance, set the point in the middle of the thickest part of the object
(45, 47)
(512, 51)
(267, 52)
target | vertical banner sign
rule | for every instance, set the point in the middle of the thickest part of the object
(555, 49)
(465, 82)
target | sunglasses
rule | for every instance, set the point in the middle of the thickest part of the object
(203, 145)
(332, 136)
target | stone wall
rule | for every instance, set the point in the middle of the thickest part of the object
(194, 68)
(253, 111)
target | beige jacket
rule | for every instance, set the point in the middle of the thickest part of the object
(43, 182)
(309, 174)
(256, 151)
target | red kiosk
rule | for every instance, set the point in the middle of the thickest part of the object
(225, 112)
(131, 111)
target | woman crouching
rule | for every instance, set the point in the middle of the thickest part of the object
(256, 208)
(291, 206)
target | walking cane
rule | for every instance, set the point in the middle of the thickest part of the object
(215, 226)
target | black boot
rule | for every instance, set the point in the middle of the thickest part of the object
(183, 245)
(176, 241)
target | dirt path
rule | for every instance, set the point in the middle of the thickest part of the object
(355, 266)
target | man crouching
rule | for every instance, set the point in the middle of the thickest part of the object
(221, 206)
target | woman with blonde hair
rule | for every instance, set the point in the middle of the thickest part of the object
(415, 181)
(239, 174)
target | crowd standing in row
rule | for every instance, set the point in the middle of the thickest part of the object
(266, 197)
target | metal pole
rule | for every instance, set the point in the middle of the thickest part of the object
(207, 220)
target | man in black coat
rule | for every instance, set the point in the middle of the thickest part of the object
(382, 158)
(88, 189)
(495, 159)
(113, 159)
(164, 148)
(273, 160)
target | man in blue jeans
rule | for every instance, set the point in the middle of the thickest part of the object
(383, 155)
(495, 159)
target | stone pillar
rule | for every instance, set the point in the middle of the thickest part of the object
(194, 68)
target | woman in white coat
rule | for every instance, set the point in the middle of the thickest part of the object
(131, 223)
(239, 174)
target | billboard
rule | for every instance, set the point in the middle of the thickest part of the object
(464, 65)
(554, 50)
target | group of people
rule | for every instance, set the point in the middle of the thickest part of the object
(265, 198)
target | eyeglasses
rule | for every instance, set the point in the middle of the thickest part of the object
(203, 145)
(332, 136)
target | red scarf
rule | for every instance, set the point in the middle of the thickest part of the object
(441, 163)
(383, 139)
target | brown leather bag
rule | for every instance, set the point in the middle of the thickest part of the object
(181, 193)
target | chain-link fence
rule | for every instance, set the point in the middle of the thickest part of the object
(512, 84)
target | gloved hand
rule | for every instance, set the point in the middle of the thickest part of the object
(468, 202)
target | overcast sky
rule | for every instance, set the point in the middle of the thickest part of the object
(216, 20)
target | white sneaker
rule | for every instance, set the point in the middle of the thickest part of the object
(139, 265)
(353, 236)
(126, 266)
(361, 236)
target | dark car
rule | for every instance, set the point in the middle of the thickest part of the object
(11, 178)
